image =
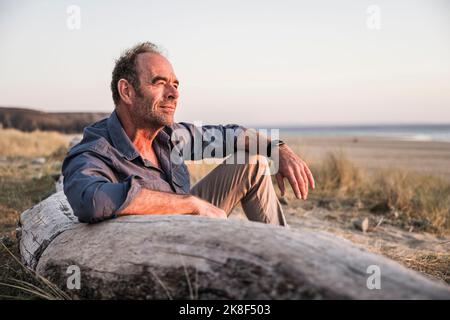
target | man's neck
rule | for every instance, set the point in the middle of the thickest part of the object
(142, 138)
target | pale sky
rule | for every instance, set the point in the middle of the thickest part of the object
(247, 62)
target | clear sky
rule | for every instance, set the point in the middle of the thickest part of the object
(247, 62)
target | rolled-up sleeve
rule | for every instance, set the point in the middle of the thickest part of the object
(197, 142)
(90, 190)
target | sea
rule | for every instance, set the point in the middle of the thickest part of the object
(410, 132)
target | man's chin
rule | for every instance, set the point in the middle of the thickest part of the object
(169, 123)
(165, 121)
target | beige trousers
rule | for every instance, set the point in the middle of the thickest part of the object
(230, 183)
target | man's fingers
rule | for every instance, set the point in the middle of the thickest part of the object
(305, 180)
(310, 177)
(292, 180)
(280, 181)
(300, 182)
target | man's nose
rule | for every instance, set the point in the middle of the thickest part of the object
(171, 92)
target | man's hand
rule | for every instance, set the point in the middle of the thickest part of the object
(204, 208)
(296, 171)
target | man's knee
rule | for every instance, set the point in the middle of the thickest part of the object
(244, 157)
(247, 159)
(257, 165)
(258, 159)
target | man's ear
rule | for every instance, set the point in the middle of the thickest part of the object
(126, 91)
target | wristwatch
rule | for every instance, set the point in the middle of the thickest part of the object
(272, 144)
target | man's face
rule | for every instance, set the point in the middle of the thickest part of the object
(156, 100)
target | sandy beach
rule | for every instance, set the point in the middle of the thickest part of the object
(427, 157)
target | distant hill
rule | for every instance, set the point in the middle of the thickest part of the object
(30, 120)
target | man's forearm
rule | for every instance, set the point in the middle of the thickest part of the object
(156, 202)
(253, 141)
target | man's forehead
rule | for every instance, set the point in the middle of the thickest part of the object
(155, 64)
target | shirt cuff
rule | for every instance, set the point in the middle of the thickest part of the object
(133, 184)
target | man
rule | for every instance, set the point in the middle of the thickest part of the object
(123, 165)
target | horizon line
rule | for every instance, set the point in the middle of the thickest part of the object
(311, 125)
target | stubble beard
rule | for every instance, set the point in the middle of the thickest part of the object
(149, 115)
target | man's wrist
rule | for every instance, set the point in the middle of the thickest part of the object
(192, 204)
(272, 144)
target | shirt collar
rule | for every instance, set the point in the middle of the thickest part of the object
(121, 141)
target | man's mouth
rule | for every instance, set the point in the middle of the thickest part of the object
(170, 109)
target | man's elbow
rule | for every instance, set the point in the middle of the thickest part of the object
(97, 202)
(90, 210)
(87, 214)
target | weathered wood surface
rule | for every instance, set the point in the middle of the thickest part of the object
(39, 225)
(160, 257)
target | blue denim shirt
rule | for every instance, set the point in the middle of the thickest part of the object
(104, 172)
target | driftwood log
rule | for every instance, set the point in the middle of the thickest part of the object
(184, 257)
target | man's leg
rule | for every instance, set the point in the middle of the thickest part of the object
(227, 184)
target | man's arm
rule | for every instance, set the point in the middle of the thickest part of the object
(93, 196)
(157, 202)
(197, 142)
